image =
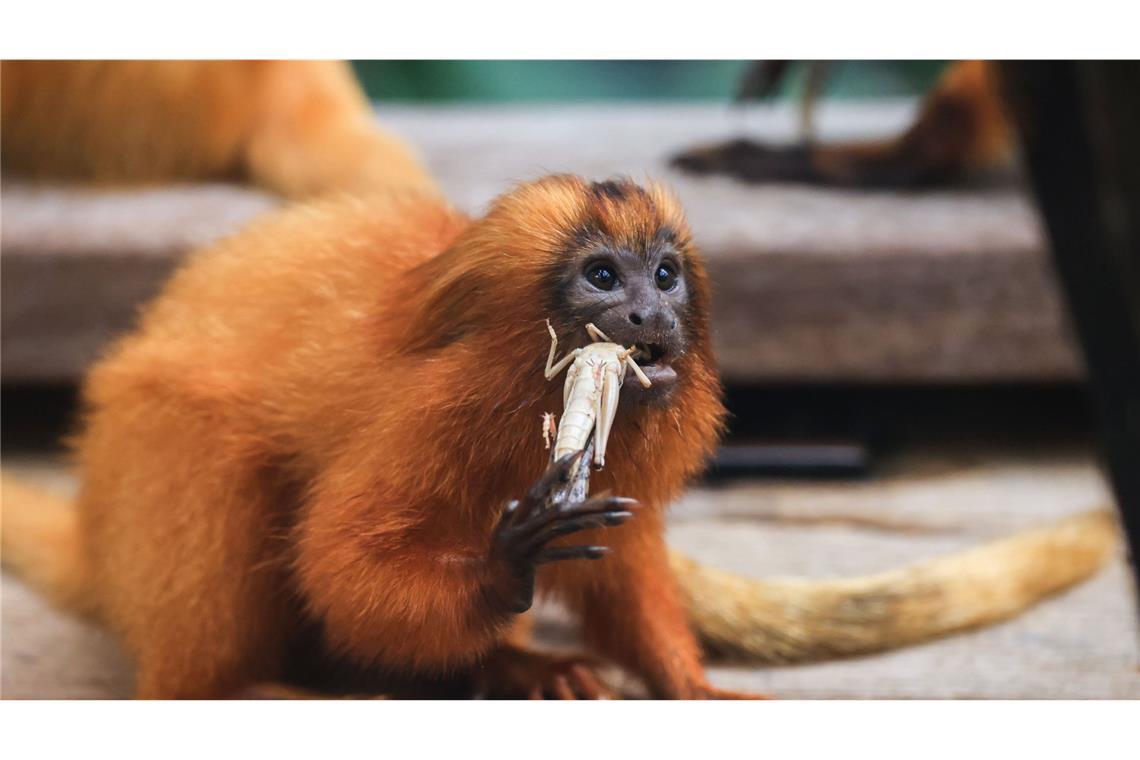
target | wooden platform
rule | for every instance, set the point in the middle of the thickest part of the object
(1082, 644)
(946, 286)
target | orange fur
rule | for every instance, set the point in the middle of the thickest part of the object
(297, 128)
(961, 127)
(321, 418)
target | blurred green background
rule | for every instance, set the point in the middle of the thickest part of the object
(536, 81)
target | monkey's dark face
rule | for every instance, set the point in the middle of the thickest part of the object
(637, 298)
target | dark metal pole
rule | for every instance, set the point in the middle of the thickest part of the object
(1080, 128)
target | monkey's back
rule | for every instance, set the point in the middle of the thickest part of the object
(245, 367)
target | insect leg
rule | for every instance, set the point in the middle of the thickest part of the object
(597, 334)
(549, 429)
(553, 369)
(606, 410)
(641, 378)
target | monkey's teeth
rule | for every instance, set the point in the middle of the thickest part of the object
(648, 353)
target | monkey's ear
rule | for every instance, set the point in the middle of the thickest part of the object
(449, 302)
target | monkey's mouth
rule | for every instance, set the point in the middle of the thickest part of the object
(655, 361)
(649, 353)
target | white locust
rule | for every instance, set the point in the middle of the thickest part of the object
(590, 395)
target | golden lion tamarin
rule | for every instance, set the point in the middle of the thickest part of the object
(962, 127)
(296, 128)
(320, 446)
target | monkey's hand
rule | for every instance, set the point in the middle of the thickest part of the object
(520, 541)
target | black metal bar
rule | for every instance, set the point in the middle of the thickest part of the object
(1080, 129)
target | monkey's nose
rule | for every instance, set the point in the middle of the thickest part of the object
(657, 319)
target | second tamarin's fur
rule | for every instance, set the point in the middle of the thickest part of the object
(295, 128)
(961, 129)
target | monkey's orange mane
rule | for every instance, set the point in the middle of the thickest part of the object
(479, 341)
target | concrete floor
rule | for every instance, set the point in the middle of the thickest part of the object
(1081, 644)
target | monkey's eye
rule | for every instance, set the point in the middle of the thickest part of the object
(602, 276)
(666, 276)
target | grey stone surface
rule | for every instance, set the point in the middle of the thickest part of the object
(810, 284)
(1082, 644)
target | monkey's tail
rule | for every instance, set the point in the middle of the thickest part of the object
(801, 620)
(40, 542)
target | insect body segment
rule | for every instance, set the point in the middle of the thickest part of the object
(590, 395)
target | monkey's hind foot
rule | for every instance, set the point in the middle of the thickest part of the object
(513, 673)
(751, 161)
(712, 692)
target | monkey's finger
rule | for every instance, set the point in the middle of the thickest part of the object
(559, 553)
(557, 474)
(511, 513)
(587, 684)
(566, 527)
(561, 688)
(599, 503)
(711, 692)
(600, 506)
(530, 545)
